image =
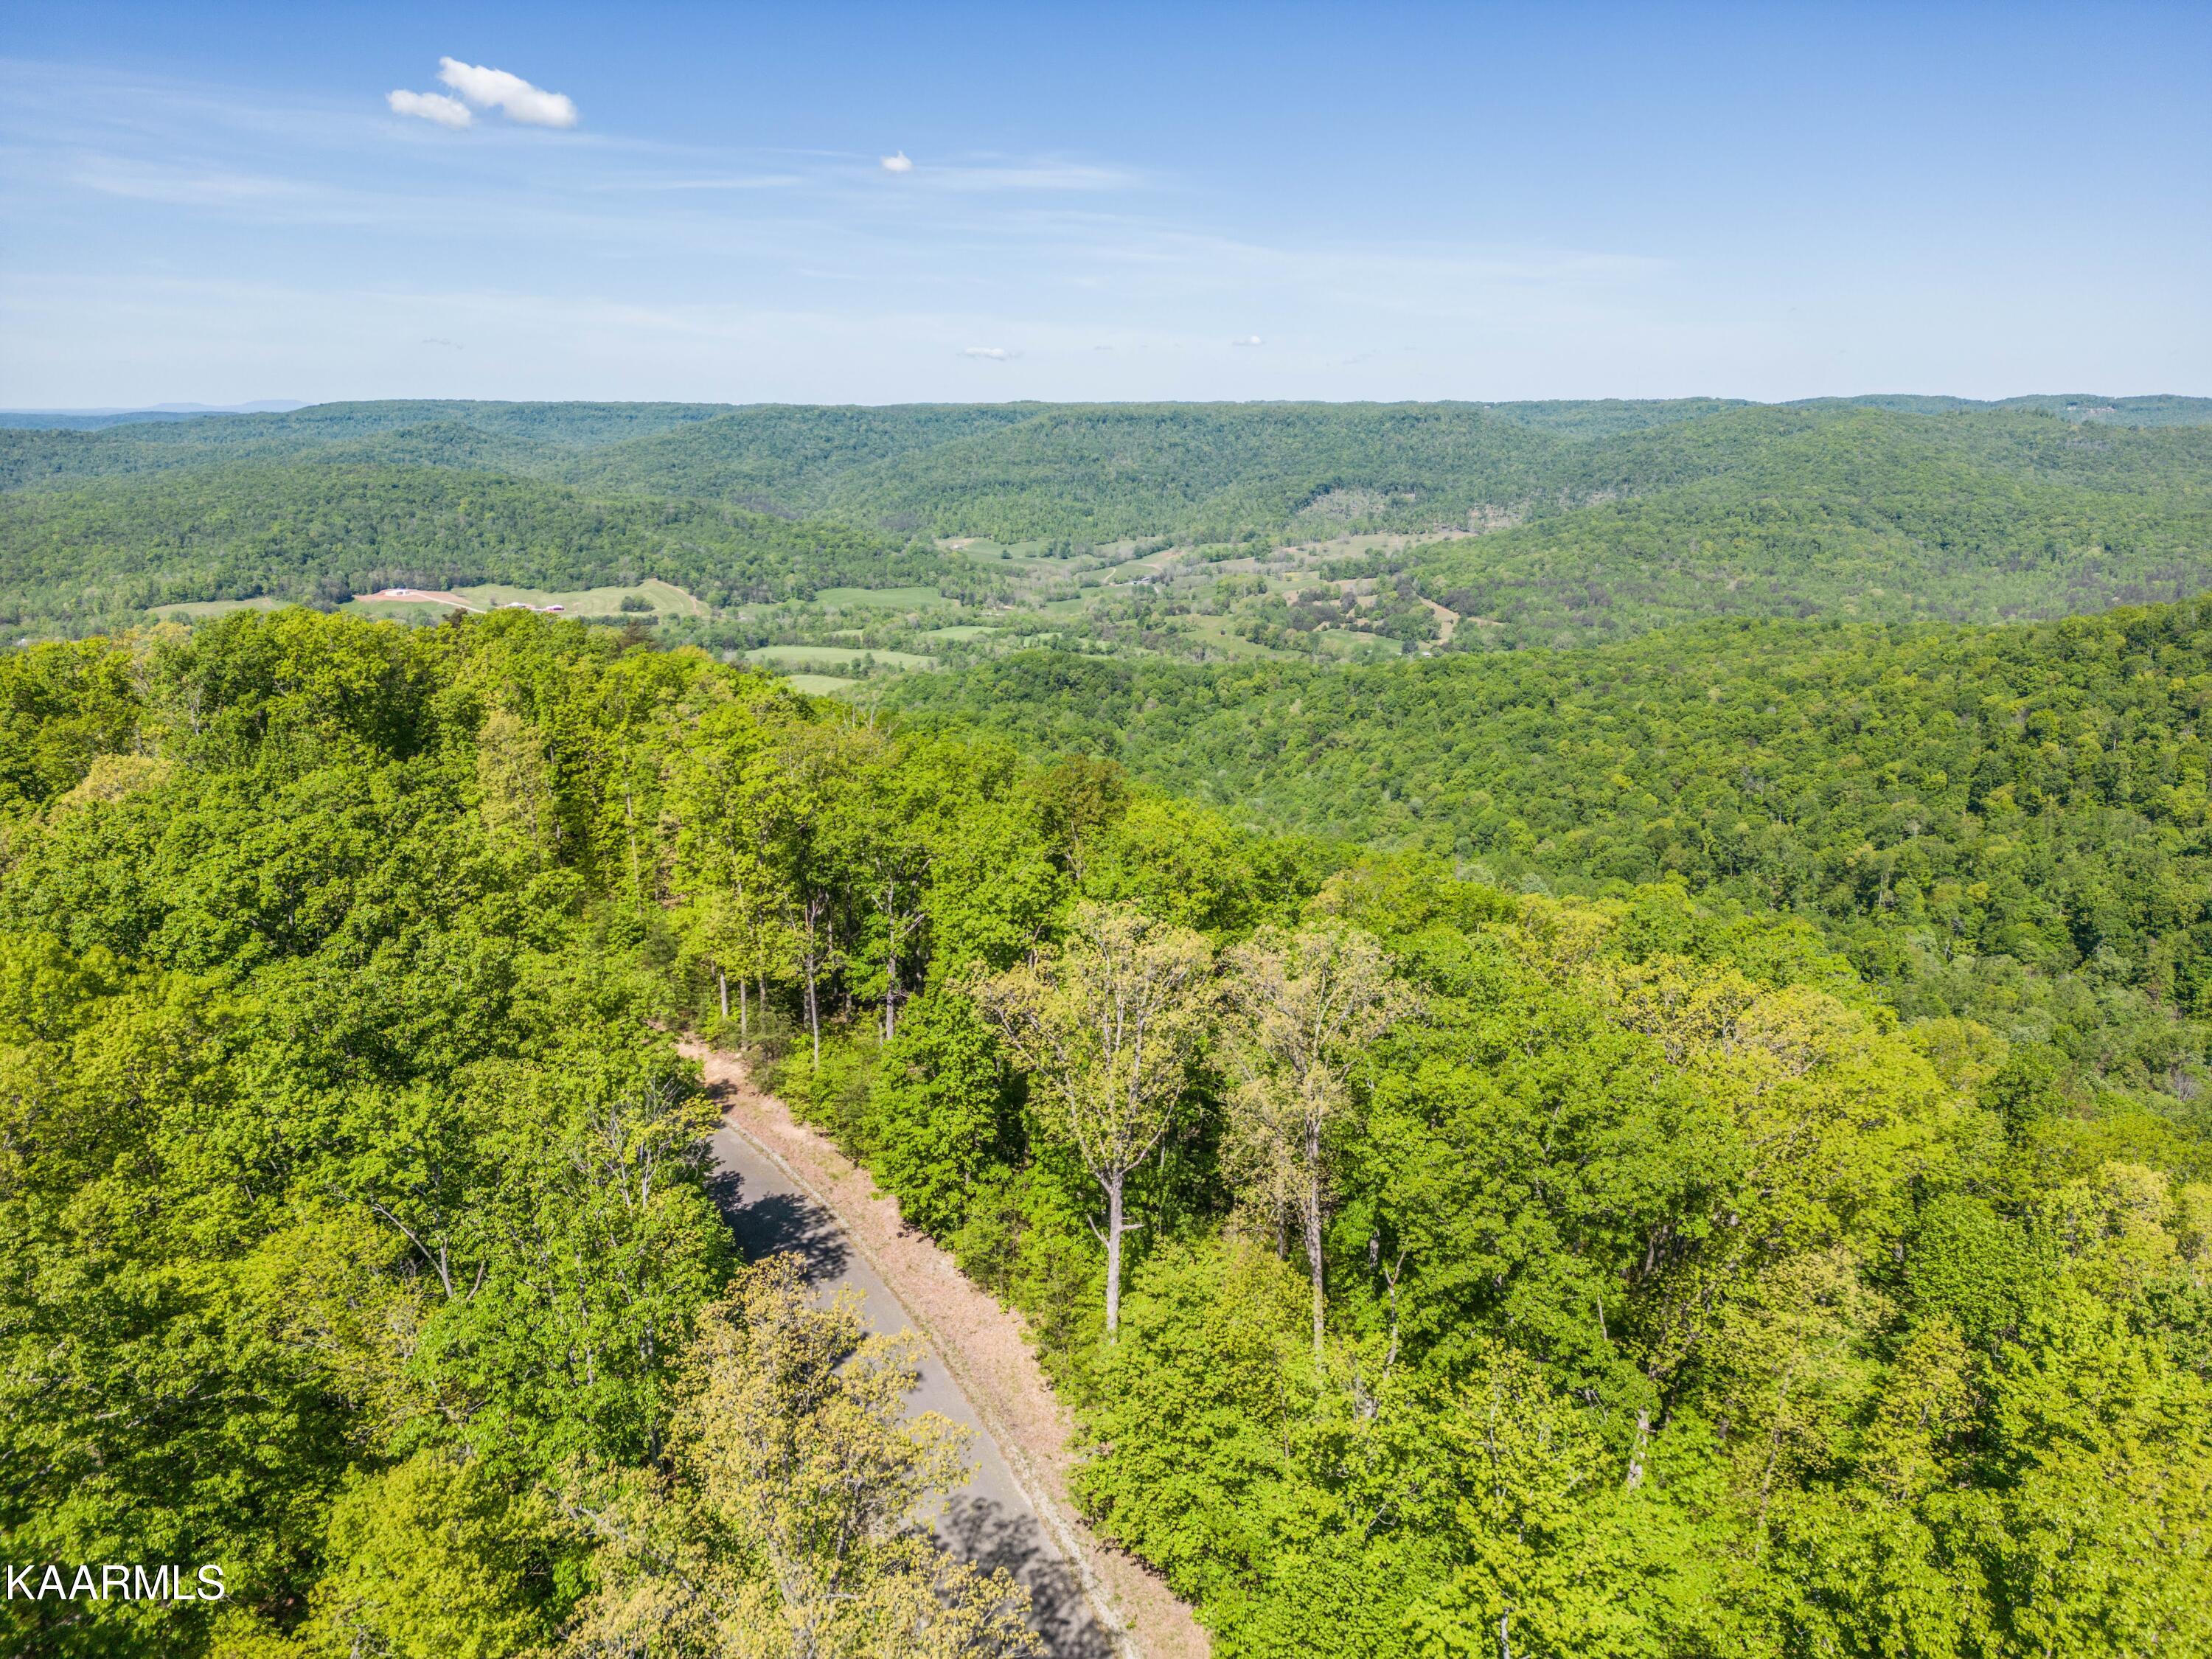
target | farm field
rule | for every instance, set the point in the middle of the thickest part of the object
(818, 685)
(881, 599)
(835, 655)
(203, 610)
(666, 598)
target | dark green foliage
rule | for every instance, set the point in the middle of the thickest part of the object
(942, 1114)
(2007, 825)
(115, 549)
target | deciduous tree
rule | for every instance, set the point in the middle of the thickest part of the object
(1107, 1027)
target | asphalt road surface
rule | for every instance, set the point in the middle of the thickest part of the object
(988, 1520)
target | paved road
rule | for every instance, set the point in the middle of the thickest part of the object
(987, 1520)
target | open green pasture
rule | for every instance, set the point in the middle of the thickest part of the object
(882, 598)
(835, 656)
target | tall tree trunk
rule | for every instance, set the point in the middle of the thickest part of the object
(630, 829)
(814, 908)
(891, 959)
(1113, 1185)
(1312, 1208)
(722, 989)
(744, 1011)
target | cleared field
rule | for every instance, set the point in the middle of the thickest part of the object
(197, 611)
(882, 598)
(836, 656)
(964, 632)
(412, 612)
(1349, 643)
(665, 596)
(1213, 631)
(818, 685)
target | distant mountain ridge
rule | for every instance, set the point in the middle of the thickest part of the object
(78, 420)
(1572, 520)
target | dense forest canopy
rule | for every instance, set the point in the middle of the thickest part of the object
(2002, 825)
(1623, 1264)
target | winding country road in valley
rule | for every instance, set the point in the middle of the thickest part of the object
(784, 1188)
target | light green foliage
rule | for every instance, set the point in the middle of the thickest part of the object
(432, 1560)
(334, 1134)
(1697, 1278)
(1108, 1027)
(790, 1522)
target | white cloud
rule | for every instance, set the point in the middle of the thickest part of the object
(996, 354)
(431, 107)
(898, 163)
(512, 96)
(1246, 340)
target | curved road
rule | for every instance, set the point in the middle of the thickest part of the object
(990, 1520)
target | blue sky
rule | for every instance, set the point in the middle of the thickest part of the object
(219, 202)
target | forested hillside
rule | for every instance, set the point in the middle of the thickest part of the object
(1616, 1266)
(1852, 512)
(362, 1260)
(31, 456)
(94, 553)
(2003, 825)
(1129, 526)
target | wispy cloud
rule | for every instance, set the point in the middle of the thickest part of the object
(510, 94)
(1044, 175)
(898, 163)
(735, 181)
(187, 185)
(634, 261)
(430, 106)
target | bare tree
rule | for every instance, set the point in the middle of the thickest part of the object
(1307, 1005)
(1107, 1028)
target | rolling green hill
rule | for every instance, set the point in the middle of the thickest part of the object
(1536, 524)
(1855, 513)
(34, 456)
(2008, 824)
(323, 530)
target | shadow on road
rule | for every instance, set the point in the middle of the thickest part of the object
(778, 1223)
(978, 1528)
(767, 1218)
